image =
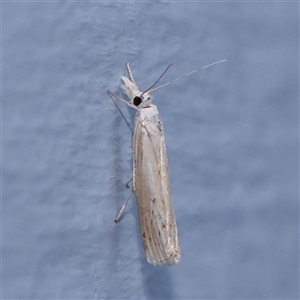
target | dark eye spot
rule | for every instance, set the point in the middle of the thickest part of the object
(137, 101)
(159, 126)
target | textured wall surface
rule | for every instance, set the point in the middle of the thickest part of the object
(232, 139)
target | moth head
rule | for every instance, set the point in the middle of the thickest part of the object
(142, 100)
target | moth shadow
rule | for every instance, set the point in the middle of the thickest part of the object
(158, 282)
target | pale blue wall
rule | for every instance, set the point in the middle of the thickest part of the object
(232, 138)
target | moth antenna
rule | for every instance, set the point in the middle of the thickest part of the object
(190, 73)
(148, 89)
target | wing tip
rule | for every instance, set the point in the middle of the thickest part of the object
(171, 260)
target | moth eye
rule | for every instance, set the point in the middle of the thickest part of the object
(137, 101)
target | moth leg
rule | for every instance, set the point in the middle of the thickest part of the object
(130, 73)
(122, 208)
(111, 94)
(127, 184)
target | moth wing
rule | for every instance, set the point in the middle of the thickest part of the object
(152, 189)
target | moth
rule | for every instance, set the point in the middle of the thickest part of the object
(151, 183)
